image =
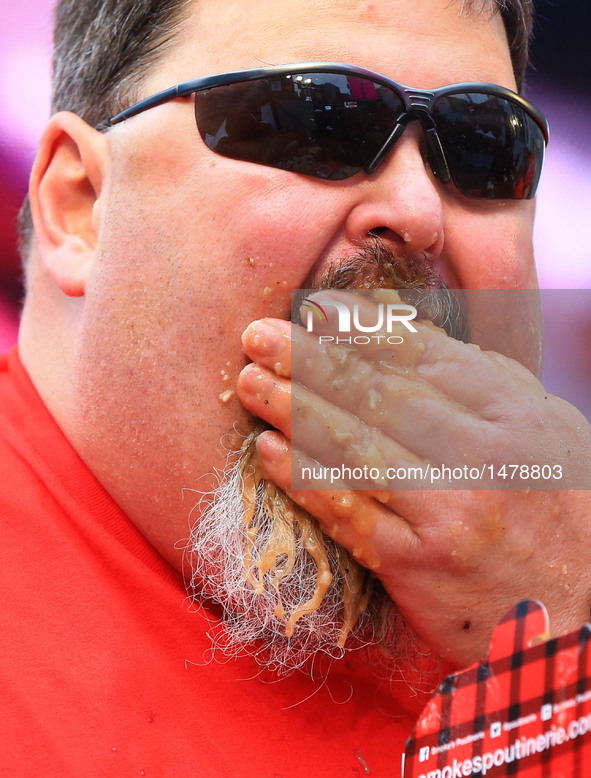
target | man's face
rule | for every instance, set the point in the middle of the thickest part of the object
(193, 246)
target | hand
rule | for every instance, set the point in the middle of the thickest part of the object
(453, 561)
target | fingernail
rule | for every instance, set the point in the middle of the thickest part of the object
(272, 447)
(252, 378)
(262, 338)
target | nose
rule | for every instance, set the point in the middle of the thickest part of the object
(400, 202)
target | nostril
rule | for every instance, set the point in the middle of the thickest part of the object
(410, 237)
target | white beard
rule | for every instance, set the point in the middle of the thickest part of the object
(287, 591)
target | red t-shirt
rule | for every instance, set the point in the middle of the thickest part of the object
(107, 670)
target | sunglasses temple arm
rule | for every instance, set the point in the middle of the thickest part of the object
(150, 102)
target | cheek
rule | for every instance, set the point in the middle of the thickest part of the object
(489, 246)
(227, 209)
(186, 263)
(281, 219)
(248, 231)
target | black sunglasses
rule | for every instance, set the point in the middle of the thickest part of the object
(331, 121)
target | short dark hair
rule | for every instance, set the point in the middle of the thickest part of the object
(518, 17)
(102, 48)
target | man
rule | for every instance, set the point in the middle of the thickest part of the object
(151, 254)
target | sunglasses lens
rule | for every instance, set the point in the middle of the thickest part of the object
(332, 125)
(493, 147)
(326, 125)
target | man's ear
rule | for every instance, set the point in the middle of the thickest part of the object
(68, 175)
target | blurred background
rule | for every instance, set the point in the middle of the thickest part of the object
(559, 83)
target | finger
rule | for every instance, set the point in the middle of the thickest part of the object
(397, 402)
(369, 458)
(370, 531)
(421, 419)
(266, 395)
(327, 366)
(461, 371)
(268, 343)
(329, 434)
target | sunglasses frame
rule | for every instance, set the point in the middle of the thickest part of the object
(418, 103)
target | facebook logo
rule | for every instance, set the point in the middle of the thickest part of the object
(424, 754)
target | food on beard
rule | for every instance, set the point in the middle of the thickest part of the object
(274, 562)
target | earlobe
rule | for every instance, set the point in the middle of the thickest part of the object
(65, 189)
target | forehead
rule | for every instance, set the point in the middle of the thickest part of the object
(423, 43)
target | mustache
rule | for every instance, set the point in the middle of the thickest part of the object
(376, 266)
